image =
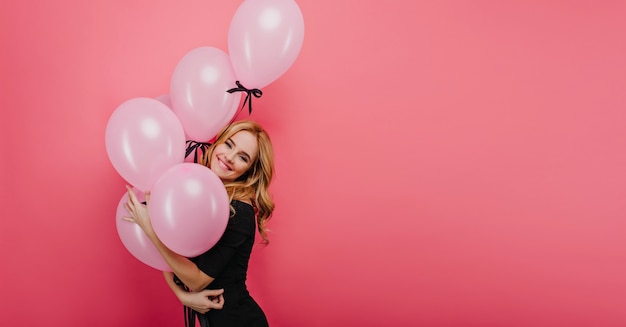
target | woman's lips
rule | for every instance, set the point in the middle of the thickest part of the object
(223, 164)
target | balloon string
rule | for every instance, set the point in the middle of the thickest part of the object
(195, 147)
(254, 92)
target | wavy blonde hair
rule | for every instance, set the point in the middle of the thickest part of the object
(254, 184)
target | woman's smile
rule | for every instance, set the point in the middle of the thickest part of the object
(222, 163)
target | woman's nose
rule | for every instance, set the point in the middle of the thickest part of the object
(230, 157)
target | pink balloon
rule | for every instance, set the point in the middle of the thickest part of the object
(189, 209)
(143, 139)
(264, 40)
(135, 240)
(198, 92)
(165, 99)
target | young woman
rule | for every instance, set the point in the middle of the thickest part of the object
(242, 158)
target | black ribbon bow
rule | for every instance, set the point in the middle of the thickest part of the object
(195, 147)
(240, 88)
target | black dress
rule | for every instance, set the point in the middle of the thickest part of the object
(227, 262)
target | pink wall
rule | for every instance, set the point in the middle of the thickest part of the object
(440, 163)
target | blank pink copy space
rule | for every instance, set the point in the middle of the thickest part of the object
(438, 164)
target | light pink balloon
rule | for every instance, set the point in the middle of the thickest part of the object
(165, 99)
(143, 139)
(189, 209)
(264, 39)
(198, 92)
(135, 240)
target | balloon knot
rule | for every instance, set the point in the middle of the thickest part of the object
(254, 92)
(195, 147)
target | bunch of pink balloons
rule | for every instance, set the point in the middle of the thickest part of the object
(189, 209)
(146, 137)
(264, 39)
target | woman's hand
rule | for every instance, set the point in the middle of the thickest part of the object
(138, 211)
(203, 301)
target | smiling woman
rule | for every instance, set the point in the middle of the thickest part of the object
(212, 286)
(241, 141)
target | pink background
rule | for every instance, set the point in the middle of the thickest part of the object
(439, 163)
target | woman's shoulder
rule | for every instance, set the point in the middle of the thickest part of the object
(242, 205)
(242, 201)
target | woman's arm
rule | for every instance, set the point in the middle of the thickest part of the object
(177, 289)
(202, 301)
(186, 270)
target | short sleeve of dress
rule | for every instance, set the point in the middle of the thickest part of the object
(239, 230)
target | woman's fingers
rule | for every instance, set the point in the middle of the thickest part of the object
(147, 194)
(131, 195)
(127, 207)
(212, 292)
(220, 302)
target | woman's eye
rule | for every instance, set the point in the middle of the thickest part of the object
(245, 159)
(228, 145)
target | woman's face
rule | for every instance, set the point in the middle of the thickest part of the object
(234, 157)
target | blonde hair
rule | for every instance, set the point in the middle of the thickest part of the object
(254, 184)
